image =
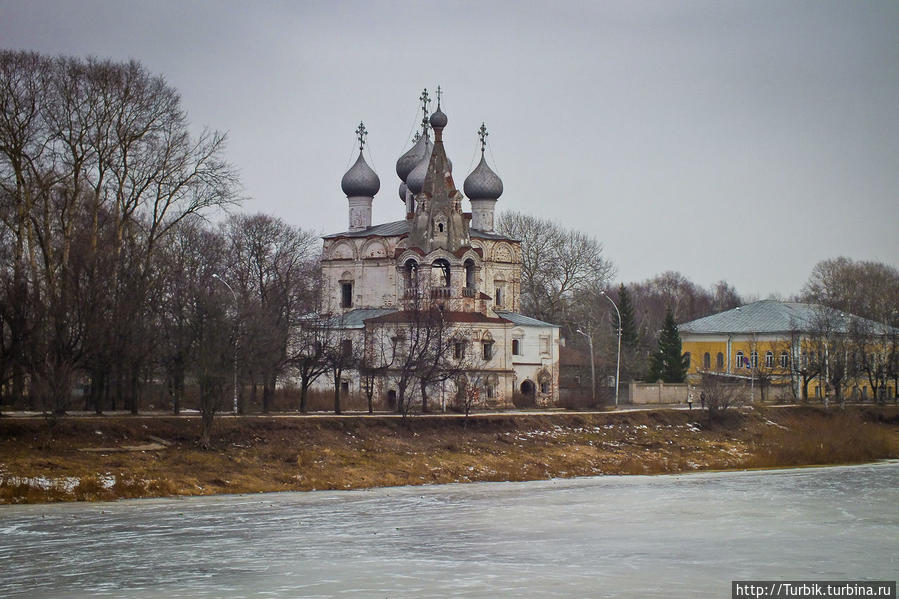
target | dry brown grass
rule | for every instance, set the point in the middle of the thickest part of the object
(256, 454)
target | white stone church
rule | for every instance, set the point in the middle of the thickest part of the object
(438, 253)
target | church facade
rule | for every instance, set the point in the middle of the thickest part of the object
(379, 279)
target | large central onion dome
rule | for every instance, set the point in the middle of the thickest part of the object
(410, 159)
(416, 179)
(483, 183)
(360, 180)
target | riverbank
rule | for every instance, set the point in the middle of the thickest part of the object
(105, 458)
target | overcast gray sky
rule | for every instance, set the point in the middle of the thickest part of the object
(727, 140)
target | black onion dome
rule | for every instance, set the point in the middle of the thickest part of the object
(360, 180)
(438, 119)
(483, 183)
(403, 191)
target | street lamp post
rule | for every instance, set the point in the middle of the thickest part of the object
(236, 336)
(592, 364)
(618, 362)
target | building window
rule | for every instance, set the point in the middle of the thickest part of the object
(719, 361)
(490, 391)
(488, 350)
(346, 348)
(738, 360)
(544, 345)
(754, 360)
(784, 359)
(707, 361)
(544, 388)
(817, 391)
(769, 359)
(516, 347)
(344, 387)
(346, 295)
(458, 350)
(499, 296)
(687, 359)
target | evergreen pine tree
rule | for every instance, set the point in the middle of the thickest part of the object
(668, 363)
(628, 326)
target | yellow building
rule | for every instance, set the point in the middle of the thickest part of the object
(791, 350)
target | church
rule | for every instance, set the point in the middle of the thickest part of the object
(379, 278)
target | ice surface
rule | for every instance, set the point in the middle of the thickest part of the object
(636, 536)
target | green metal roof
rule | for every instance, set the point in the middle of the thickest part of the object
(771, 316)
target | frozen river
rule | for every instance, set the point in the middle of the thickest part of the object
(661, 536)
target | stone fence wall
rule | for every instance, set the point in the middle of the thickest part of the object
(658, 393)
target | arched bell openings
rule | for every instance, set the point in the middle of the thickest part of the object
(443, 274)
(410, 274)
(470, 278)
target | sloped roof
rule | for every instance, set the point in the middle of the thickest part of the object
(401, 227)
(771, 316)
(448, 316)
(355, 319)
(521, 319)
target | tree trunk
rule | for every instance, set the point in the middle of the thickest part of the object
(96, 395)
(268, 392)
(424, 397)
(18, 386)
(337, 392)
(304, 390)
(134, 389)
(206, 433)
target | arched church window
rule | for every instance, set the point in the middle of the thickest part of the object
(469, 273)
(446, 275)
(346, 289)
(410, 273)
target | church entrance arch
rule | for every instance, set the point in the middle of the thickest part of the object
(528, 395)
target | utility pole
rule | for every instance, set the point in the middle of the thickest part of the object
(618, 362)
(236, 333)
(592, 366)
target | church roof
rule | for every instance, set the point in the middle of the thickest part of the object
(771, 316)
(355, 319)
(448, 316)
(401, 227)
(523, 320)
